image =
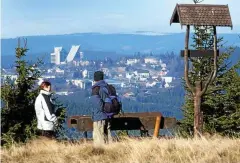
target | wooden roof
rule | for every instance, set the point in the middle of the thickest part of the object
(199, 14)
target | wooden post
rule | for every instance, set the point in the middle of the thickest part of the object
(197, 110)
(186, 62)
(157, 127)
(215, 53)
(198, 115)
(197, 91)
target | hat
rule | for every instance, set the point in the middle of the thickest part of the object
(98, 75)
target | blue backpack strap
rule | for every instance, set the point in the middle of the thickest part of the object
(109, 115)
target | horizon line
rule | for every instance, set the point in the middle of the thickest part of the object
(144, 33)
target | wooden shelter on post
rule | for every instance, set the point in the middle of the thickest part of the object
(200, 15)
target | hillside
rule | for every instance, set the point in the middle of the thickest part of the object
(115, 43)
(212, 150)
(99, 46)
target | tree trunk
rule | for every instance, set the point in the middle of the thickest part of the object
(198, 125)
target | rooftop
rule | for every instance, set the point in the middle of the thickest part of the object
(202, 14)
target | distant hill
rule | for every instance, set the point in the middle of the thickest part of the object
(119, 43)
(96, 45)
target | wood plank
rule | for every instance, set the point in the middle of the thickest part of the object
(169, 122)
(199, 53)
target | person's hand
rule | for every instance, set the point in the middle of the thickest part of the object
(55, 123)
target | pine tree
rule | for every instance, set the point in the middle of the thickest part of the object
(222, 101)
(18, 122)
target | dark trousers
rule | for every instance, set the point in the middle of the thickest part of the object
(46, 133)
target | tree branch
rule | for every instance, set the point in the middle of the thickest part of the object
(204, 89)
(186, 62)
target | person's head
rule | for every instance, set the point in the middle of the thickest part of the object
(45, 86)
(98, 75)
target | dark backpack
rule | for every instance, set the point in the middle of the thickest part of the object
(112, 104)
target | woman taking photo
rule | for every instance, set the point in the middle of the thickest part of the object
(46, 118)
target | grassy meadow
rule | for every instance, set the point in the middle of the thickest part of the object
(177, 150)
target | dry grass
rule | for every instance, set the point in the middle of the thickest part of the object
(211, 150)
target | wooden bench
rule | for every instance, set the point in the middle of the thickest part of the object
(128, 121)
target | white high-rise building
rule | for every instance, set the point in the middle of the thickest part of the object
(59, 55)
(72, 53)
(56, 55)
(81, 56)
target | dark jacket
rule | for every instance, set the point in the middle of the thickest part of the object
(97, 101)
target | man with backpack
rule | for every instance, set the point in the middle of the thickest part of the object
(105, 104)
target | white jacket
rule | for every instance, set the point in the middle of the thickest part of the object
(44, 111)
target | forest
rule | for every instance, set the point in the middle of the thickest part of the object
(167, 101)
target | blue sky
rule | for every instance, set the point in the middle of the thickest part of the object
(45, 17)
